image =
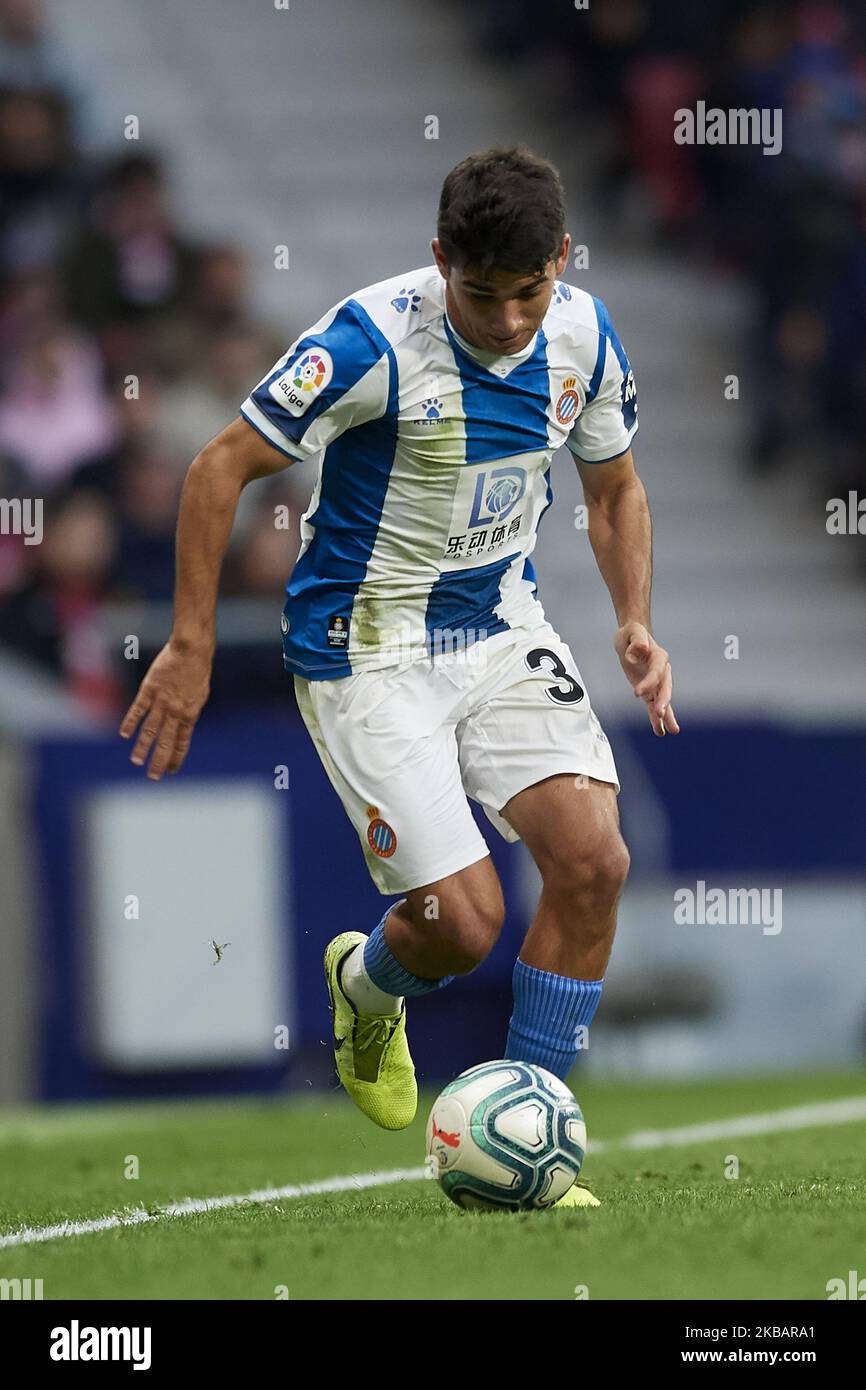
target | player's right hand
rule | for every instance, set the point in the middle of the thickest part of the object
(167, 706)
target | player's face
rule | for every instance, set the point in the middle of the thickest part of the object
(500, 311)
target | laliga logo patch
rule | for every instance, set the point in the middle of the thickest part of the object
(301, 383)
(568, 404)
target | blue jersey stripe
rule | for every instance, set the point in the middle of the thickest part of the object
(598, 370)
(281, 449)
(355, 344)
(356, 471)
(606, 328)
(504, 415)
(528, 566)
(608, 334)
(462, 602)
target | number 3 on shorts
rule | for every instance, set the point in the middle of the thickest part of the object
(543, 656)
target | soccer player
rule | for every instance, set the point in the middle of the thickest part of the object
(423, 664)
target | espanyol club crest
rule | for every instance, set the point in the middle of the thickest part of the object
(380, 835)
(568, 403)
(301, 383)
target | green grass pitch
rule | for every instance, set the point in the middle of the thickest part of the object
(671, 1224)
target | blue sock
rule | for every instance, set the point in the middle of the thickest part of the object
(388, 974)
(548, 1010)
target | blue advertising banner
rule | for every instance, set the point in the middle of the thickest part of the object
(732, 797)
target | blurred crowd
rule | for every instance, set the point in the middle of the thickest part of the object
(794, 223)
(124, 347)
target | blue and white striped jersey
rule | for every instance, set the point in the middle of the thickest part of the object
(434, 469)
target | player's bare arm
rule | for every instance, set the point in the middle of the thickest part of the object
(620, 532)
(175, 689)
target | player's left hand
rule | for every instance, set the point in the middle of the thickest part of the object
(648, 669)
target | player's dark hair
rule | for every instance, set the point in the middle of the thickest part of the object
(502, 209)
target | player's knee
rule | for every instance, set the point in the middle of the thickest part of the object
(615, 864)
(594, 879)
(469, 931)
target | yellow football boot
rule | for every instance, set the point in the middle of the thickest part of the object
(371, 1053)
(578, 1195)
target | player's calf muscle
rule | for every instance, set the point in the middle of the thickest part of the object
(448, 928)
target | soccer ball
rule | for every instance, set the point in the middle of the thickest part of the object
(506, 1136)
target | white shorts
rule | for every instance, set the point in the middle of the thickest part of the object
(406, 744)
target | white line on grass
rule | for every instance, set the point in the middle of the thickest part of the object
(192, 1206)
(831, 1112)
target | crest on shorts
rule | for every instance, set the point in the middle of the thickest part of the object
(380, 836)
